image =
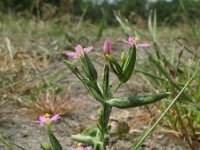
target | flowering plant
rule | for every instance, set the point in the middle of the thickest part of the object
(46, 119)
(79, 50)
(104, 93)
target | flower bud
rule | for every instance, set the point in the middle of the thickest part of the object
(123, 58)
(107, 48)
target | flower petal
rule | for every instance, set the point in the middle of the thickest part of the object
(130, 39)
(55, 117)
(107, 47)
(143, 45)
(82, 148)
(127, 42)
(71, 54)
(88, 49)
(42, 119)
(79, 49)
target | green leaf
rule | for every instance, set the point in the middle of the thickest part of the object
(115, 66)
(90, 69)
(53, 140)
(105, 81)
(134, 101)
(45, 147)
(84, 67)
(95, 91)
(83, 139)
(129, 64)
(75, 70)
(99, 146)
(119, 75)
(91, 86)
(90, 131)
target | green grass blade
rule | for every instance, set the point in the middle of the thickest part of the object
(124, 25)
(150, 130)
(153, 76)
(81, 19)
(167, 76)
(152, 25)
(189, 21)
(102, 26)
(6, 143)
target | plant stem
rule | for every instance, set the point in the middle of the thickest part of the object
(116, 88)
(103, 125)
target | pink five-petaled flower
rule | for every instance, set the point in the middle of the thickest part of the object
(133, 41)
(107, 47)
(79, 51)
(47, 119)
(78, 148)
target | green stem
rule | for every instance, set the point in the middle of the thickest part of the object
(49, 127)
(103, 125)
(116, 88)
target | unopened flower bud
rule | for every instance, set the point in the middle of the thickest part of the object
(123, 57)
(107, 48)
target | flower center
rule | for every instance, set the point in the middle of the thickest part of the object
(136, 39)
(78, 146)
(47, 116)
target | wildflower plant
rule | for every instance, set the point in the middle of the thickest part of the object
(46, 119)
(104, 93)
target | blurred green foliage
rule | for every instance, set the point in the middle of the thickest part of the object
(168, 12)
(171, 12)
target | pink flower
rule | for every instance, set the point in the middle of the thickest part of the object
(47, 119)
(133, 41)
(79, 51)
(78, 148)
(107, 47)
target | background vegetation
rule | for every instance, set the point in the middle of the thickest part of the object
(168, 12)
(34, 34)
